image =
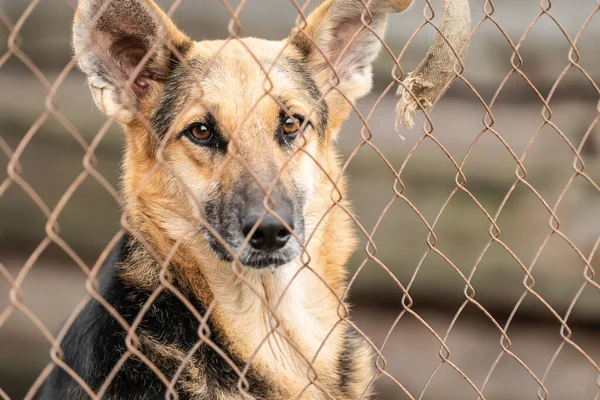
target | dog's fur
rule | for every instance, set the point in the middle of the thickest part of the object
(185, 200)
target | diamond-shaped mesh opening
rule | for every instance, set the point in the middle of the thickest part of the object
(455, 260)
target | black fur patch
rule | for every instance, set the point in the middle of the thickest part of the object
(346, 367)
(345, 364)
(175, 95)
(303, 44)
(299, 69)
(95, 342)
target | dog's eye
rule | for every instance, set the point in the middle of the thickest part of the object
(291, 125)
(200, 132)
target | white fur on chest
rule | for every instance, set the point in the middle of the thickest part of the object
(281, 316)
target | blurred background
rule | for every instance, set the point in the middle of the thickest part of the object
(54, 284)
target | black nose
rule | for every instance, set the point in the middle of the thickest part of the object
(271, 234)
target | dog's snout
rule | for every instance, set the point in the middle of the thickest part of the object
(271, 233)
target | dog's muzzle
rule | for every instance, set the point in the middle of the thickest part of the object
(260, 238)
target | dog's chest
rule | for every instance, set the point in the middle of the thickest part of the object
(287, 329)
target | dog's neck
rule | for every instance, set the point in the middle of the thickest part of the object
(279, 319)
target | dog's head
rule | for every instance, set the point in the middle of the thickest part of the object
(243, 127)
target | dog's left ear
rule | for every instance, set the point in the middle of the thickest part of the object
(112, 38)
(335, 33)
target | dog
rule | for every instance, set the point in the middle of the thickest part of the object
(230, 281)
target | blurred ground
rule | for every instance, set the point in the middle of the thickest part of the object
(53, 160)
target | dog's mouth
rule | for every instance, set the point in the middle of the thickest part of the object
(250, 257)
(265, 260)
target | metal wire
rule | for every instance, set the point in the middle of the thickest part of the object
(578, 174)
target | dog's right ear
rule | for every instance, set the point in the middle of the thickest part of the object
(111, 38)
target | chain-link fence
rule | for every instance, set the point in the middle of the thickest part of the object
(477, 231)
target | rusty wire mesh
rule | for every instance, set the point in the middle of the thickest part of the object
(572, 136)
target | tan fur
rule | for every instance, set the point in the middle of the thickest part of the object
(164, 184)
